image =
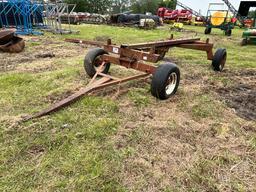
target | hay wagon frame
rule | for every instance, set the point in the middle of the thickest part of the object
(140, 56)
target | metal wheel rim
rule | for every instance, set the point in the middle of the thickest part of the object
(171, 83)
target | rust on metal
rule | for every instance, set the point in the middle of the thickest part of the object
(131, 53)
(95, 84)
(86, 42)
(15, 45)
(10, 43)
(6, 36)
(167, 43)
(131, 56)
(128, 63)
(200, 46)
(151, 51)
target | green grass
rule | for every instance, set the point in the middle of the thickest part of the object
(76, 149)
(119, 34)
(68, 151)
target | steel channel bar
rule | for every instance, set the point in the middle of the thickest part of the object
(167, 43)
(105, 75)
(86, 42)
(131, 53)
(125, 62)
(96, 85)
(200, 46)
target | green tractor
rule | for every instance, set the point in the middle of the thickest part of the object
(249, 36)
(220, 18)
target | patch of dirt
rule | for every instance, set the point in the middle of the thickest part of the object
(237, 88)
(36, 149)
(242, 95)
(45, 55)
(39, 50)
(242, 98)
(54, 98)
(168, 147)
(37, 67)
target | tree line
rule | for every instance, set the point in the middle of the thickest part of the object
(120, 6)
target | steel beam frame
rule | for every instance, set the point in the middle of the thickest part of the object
(131, 56)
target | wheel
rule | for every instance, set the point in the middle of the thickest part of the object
(207, 30)
(228, 32)
(219, 60)
(92, 61)
(165, 81)
(244, 42)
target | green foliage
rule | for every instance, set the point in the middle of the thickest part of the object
(143, 6)
(252, 14)
(168, 3)
(91, 6)
(119, 6)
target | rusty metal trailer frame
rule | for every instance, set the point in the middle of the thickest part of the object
(11, 43)
(134, 56)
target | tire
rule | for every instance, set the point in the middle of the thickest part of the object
(219, 60)
(90, 60)
(228, 32)
(207, 30)
(121, 18)
(161, 87)
(244, 42)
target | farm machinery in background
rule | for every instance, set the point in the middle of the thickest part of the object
(199, 18)
(236, 16)
(11, 43)
(219, 18)
(249, 36)
(227, 19)
(241, 18)
(184, 15)
(172, 16)
(81, 17)
(122, 19)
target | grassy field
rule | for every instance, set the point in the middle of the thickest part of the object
(122, 138)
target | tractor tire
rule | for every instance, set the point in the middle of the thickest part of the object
(228, 32)
(165, 81)
(92, 62)
(207, 30)
(219, 60)
(244, 42)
